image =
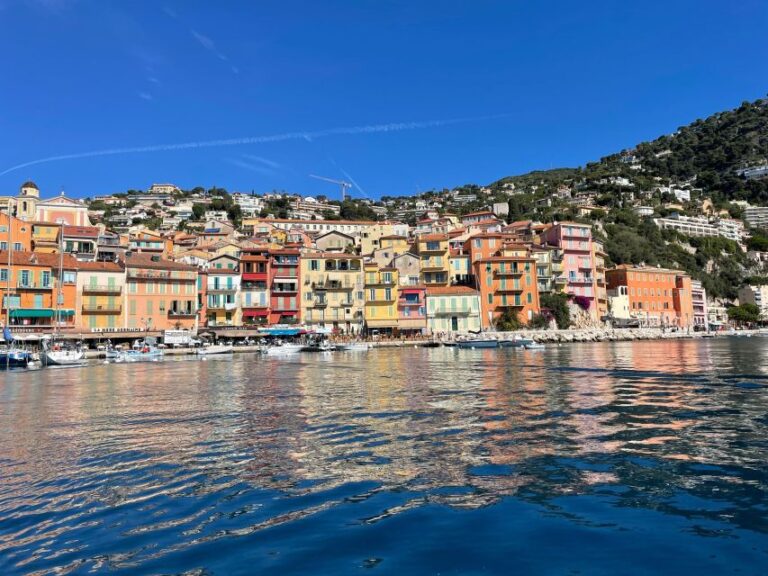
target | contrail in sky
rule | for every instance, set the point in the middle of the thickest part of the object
(350, 130)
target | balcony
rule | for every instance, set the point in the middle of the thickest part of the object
(102, 309)
(510, 305)
(223, 290)
(513, 288)
(34, 286)
(512, 272)
(102, 289)
(580, 279)
(433, 268)
(182, 313)
(580, 233)
(452, 312)
(320, 303)
(585, 265)
(284, 289)
(254, 276)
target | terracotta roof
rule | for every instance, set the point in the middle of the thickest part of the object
(101, 266)
(297, 221)
(143, 260)
(85, 231)
(429, 237)
(480, 213)
(393, 237)
(38, 259)
(451, 290)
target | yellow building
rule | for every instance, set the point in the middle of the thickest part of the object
(381, 293)
(434, 258)
(332, 291)
(45, 237)
(100, 290)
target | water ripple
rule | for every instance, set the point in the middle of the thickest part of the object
(399, 461)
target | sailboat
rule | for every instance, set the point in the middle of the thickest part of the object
(61, 353)
(12, 356)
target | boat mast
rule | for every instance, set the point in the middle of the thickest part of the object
(60, 295)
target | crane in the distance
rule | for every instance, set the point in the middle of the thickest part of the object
(342, 184)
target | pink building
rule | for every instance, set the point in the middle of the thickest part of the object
(573, 261)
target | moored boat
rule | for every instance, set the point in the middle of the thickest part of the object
(215, 349)
(61, 354)
(478, 343)
(143, 351)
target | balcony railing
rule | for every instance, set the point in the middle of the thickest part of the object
(102, 289)
(580, 279)
(452, 311)
(510, 289)
(102, 309)
(223, 290)
(182, 313)
(34, 286)
(512, 272)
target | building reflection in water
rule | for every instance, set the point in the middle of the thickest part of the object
(459, 427)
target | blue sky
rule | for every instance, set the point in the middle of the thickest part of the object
(538, 84)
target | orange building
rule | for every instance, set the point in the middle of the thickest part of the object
(30, 289)
(15, 233)
(160, 294)
(507, 281)
(657, 296)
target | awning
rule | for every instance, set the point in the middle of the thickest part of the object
(255, 313)
(40, 313)
(282, 331)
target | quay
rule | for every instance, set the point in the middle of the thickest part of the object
(541, 336)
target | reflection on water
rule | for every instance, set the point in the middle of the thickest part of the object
(411, 460)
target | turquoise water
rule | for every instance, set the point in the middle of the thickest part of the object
(631, 458)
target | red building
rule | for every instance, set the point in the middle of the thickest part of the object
(284, 287)
(255, 270)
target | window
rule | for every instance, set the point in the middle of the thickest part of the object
(69, 277)
(530, 298)
(17, 246)
(25, 278)
(388, 294)
(313, 265)
(372, 294)
(490, 298)
(3, 274)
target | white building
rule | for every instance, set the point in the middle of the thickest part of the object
(250, 205)
(731, 229)
(163, 189)
(688, 225)
(756, 216)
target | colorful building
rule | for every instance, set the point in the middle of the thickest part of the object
(284, 286)
(434, 255)
(160, 294)
(412, 310)
(507, 282)
(657, 296)
(575, 260)
(452, 309)
(16, 233)
(381, 297)
(222, 290)
(332, 292)
(254, 285)
(100, 295)
(31, 288)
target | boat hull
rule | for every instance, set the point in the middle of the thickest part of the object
(14, 359)
(478, 344)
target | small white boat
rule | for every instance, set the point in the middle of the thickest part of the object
(64, 356)
(215, 349)
(57, 353)
(534, 346)
(354, 347)
(283, 349)
(143, 351)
